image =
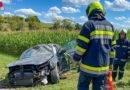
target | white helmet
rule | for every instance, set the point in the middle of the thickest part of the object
(123, 31)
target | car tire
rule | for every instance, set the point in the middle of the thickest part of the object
(55, 78)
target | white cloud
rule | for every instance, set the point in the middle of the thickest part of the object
(128, 21)
(115, 24)
(55, 10)
(83, 18)
(125, 26)
(120, 26)
(21, 15)
(77, 2)
(51, 15)
(27, 12)
(7, 14)
(70, 10)
(6, 1)
(118, 5)
(120, 18)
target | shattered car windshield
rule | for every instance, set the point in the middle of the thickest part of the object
(71, 45)
(36, 51)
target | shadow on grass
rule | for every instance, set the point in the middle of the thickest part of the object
(9, 54)
(5, 85)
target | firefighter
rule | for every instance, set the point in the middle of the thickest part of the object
(94, 48)
(122, 55)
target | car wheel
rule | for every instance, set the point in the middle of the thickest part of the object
(55, 78)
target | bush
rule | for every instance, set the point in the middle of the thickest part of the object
(16, 23)
(1, 21)
(13, 25)
(65, 24)
(30, 18)
(34, 25)
(78, 26)
(57, 23)
(33, 22)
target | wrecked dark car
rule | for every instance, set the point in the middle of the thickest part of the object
(42, 64)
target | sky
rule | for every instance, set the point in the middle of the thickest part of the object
(118, 11)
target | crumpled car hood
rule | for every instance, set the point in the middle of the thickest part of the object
(31, 61)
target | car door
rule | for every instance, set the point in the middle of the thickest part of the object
(65, 55)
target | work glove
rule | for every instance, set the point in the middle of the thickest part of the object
(110, 67)
(76, 64)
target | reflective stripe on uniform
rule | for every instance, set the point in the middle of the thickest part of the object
(117, 45)
(101, 37)
(94, 68)
(103, 27)
(97, 32)
(83, 39)
(121, 71)
(113, 42)
(112, 53)
(124, 46)
(94, 72)
(123, 60)
(79, 53)
(114, 71)
(112, 56)
(128, 47)
(81, 49)
(116, 59)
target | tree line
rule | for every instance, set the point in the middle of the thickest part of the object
(66, 24)
(17, 23)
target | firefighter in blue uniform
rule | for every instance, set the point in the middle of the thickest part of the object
(122, 55)
(94, 48)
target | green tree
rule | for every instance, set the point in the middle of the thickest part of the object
(16, 23)
(30, 18)
(34, 25)
(1, 22)
(68, 24)
(13, 25)
(33, 22)
(57, 23)
(78, 26)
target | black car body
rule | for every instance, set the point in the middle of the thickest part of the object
(42, 63)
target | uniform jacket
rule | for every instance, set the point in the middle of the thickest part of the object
(95, 46)
(122, 51)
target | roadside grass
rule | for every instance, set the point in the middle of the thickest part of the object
(67, 83)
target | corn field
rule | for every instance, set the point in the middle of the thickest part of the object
(17, 42)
